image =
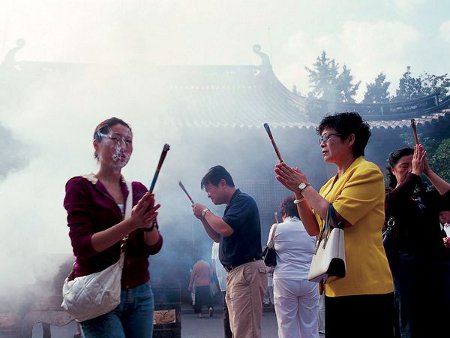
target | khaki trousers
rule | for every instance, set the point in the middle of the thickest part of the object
(246, 286)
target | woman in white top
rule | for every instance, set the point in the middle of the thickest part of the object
(296, 298)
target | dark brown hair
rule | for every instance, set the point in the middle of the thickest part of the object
(345, 124)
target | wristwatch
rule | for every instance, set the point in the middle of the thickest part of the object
(204, 211)
(302, 186)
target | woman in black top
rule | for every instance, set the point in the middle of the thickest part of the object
(417, 263)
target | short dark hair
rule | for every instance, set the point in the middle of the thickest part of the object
(288, 207)
(214, 175)
(345, 124)
(392, 160)
(104, 127)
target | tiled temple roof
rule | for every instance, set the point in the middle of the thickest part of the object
(421, 120)
(244, 96)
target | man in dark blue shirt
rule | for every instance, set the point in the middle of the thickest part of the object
(239, 235)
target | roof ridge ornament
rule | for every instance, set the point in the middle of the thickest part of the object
(265, 60)
(10, 58)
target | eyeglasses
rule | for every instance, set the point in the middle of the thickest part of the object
(119, 139)
(325, 138)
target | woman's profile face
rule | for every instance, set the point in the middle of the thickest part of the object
(333, 147)
(402, 168)
(115, 149)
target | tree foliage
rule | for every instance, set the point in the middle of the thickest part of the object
(426, 84)
(440, 160)
(377, 92)
(328, 83)
(345, 87)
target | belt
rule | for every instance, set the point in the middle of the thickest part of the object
(229, 267)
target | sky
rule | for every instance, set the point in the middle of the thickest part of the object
(368, 36)
(49, 136)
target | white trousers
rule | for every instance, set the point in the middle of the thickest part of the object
(296, 308)
(322, 313)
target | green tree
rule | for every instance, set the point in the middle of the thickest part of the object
(426, 84)
(435, 84)
(345, 88)
(440, 160)
(409, 87)
(328, 83)
(322, 78)
(377, 92)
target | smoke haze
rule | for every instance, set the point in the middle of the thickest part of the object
(103, 58)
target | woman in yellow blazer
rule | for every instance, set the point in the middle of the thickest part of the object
(361, 303)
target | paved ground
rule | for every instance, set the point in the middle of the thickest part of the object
(191, 326)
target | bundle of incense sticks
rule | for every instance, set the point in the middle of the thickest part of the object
(185, 191)
(413, 127)
(166, 148)
(266, 126)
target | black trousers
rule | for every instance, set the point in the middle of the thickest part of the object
(202, 297)
(360, 316)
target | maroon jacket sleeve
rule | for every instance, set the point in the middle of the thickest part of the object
(78, 202)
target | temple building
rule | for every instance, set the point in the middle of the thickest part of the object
(215, 115)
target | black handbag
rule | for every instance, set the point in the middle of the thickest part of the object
(269, 254)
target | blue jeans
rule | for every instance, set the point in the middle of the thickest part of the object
(132, 318)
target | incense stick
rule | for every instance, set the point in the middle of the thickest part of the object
(266, 126)
(413, 126)
(166, 148)
(185, 191)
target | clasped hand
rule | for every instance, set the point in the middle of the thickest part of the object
(198, 208)
(144, 213)
(289, 177)
(419, 162)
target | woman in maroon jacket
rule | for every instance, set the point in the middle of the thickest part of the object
(95, 205)
(417, 260)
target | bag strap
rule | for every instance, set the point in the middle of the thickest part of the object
(389, 227)
(128, 207)
(270, 245)
(129, 203)
(325, 233)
